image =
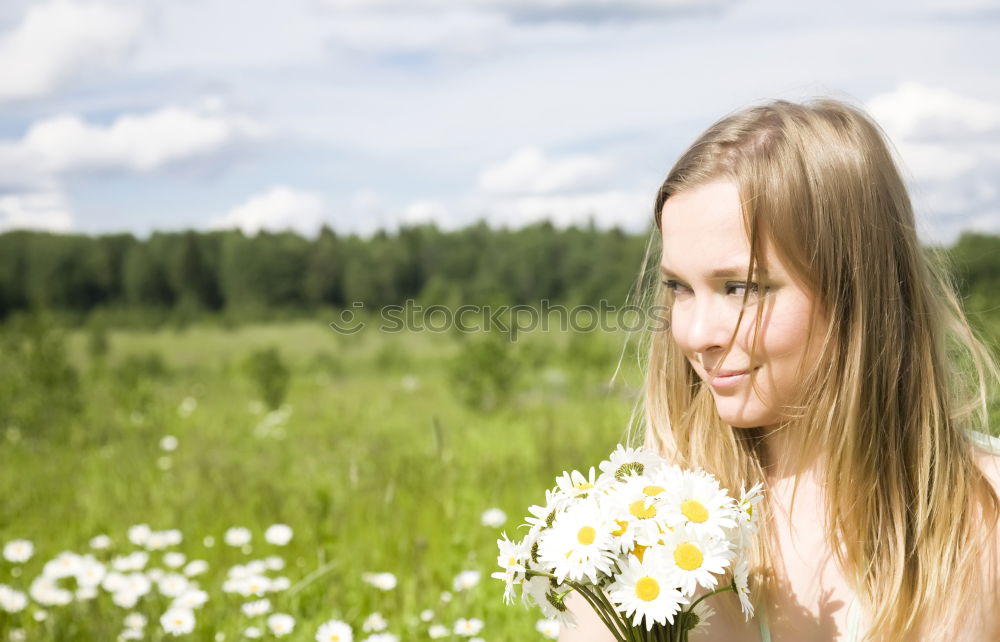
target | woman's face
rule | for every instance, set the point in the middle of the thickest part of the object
(704, 261)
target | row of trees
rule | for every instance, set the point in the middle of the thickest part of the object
(216, 271)
(213, 271)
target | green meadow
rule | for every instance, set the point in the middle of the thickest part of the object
(380, 450)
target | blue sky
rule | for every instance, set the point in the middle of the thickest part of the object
(367, 114)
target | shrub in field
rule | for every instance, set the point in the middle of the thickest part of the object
(486, 369)
(270, 374)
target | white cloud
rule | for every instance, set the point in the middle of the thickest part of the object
(631, 211)
(35, 210)
(426, 212)
(530, 171)
(135, 143)
(914, 111)
(279, 208)
(58, 40)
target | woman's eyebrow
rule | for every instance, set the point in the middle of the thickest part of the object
(720, 273)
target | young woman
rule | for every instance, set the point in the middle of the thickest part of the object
(811, 345)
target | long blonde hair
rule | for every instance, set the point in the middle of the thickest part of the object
(901, 377)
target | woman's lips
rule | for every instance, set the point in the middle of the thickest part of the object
(725, 379)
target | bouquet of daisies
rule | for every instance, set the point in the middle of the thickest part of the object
(639, 542)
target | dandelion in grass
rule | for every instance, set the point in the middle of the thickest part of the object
(465, 581)
(579, 543)
(493, 518)
(438, 631)
(177, 621)
(334, 631)
(694, 559)
(281, 624)
(698, 502)
(236, 536)
(278, 534)
(468, 627)
(646, 592)
(374, 623)
(548, 628)
(18, 551)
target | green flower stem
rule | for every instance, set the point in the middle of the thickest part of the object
(608, 615)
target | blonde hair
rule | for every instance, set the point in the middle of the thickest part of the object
(901, 377)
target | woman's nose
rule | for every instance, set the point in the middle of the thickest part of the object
(707, 325)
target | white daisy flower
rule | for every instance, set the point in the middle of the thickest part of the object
(260, 607)
(511, 559)
(693, 559)
(281, 624)
(469, 627)
(465, 580)
(138, 534)
(382, 637)
(382, 581)
(646, 591)
(174, 559)
(539, 591)
(135, 620)
(131, 634)
(173, 584)
(18, 635)
(446, 596)
(749, 499)
(625, 462)
(173, 536)
(256, 585)
(177, 621)
(578, 544)
(374, 623)
(252, 632)
(90, 572)
(639, 503)
(438, 631)
(85, 593)
(278, 534)
(66, 564)
(334, 631)
(280, 583)
(698, 624)
(574, 484)
(493, 518)
(195, 567)
(45, 591)
(236, 536)
(168, 443)
(426, 615)
(40, 615)
(698, 502)
(741, 577)
(12, 600)
(100, 542)
(274, 563)
(18, 551)
(548, 628)
(193, 598)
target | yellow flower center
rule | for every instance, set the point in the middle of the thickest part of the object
(647, 589)
(638, 508)
(652, 491)
(622, 527)
(583, 486)
(694, 511)
(586, 535)
(639, 550)
(688, 556)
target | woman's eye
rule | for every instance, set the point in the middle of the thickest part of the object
(740, 288)
(675, 286)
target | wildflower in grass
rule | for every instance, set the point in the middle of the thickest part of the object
(18, 551)
(89, 572)
(236, 536)
(100, 542)
(46, 592)
(173, 536)
(139, 533)
(465, 580)
(645, 592)
(66, 564)
(40, 615)
(188, 405)
(260, 607)
(426, 615)
(469, 627)
(278, 534)
(192, 598)
(173, 584)
(12, 600)
(572, 485)
(281, 624)
(334, 631)
(252, 632)
(493, 517)
(85, 593)
(135, 620)
(548, 628)
(168, 443)
(195, 567)
(17, 635)
(135, 561)
(155, 574)
(445, 596)
(374, 623)
(438, 631)
(382, 637)
(131, 634)
(274, 563)
(174, 559)
(177, 621)
(382, 581)
(511, 559)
